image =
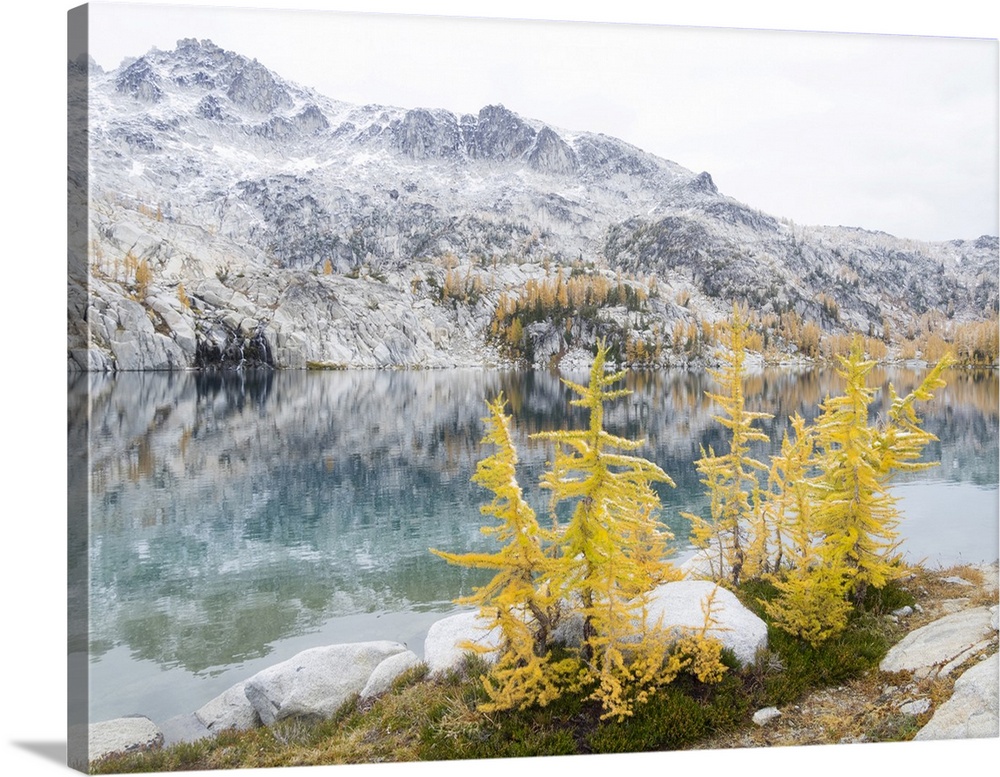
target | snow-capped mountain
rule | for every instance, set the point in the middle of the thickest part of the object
(231, 209)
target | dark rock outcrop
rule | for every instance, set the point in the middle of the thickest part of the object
(422, 134)
(254, 87)
(209, 108)
(498, 135)
(221, 346)
(551, 154)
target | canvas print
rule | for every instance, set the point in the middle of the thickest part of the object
(460, 388)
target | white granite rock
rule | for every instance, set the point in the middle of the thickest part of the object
(442, 646)
(569, 630)
(230, 709)
(915, 707)
(942, 645)
(680, 606)
(704, 564)
(766, 715)
(385, 674)
(184, 728)
(123, 735)
(971, 712)
(315, 683)
(177, 321)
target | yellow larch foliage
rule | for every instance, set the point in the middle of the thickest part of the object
(516, 599)
(601, 567)
(143, 277)
(731, 478)
(130, 263)
(700, 654)
(809, 339)
(515, 333)
(562, 291)
(611, 552)
(788, 502)
(812, 602)
(848, 541)
(977, 342)
(854, 511)
(450, 288)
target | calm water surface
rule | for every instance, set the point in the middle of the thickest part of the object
(236, 520)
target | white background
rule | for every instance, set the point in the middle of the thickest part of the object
(32, 733)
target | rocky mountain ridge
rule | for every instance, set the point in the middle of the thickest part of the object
(236, 218)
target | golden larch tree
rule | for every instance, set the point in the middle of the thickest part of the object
(612, 551)
(732, 528)
(516, 599)
(854, 510)
(848, 542)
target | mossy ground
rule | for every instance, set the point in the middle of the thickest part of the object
(831, 694)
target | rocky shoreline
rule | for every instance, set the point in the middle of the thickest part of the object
(302, 319)
(277, 318)
(939, 682)
(952, 643)
(315, 683)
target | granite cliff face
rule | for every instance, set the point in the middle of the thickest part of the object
(239, 219)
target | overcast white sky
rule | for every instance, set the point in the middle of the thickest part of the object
(890, 132)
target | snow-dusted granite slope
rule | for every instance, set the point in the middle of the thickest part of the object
(281, 226)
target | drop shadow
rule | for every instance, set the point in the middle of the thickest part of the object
(51, 751)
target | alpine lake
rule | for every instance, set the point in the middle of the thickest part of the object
(236, 519)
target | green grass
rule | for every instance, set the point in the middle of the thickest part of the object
(439, 719)
(792, 667)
